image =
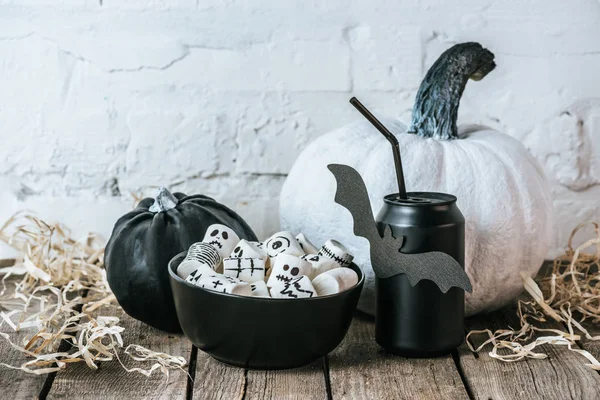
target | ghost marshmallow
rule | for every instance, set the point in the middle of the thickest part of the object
(305, 244)
(222, 238)
(337, 252)
(286, 268)
(298, 288)
(259, 289)
(199, 255)
(225, 284)
(319, 264)
(246, 269)
(335, 281)
(283, 243)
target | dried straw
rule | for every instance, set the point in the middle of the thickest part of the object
(59, 289)
(570, 294)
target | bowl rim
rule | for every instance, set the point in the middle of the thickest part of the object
(177, 278)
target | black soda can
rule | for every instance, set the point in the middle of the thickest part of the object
(421, 321)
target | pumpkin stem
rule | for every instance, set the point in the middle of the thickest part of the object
(436, 105)
(164, 201)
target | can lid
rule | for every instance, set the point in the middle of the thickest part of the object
(421, 199)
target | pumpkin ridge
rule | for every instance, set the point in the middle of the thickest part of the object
(132, 217)
(512, 164)
(507, 172)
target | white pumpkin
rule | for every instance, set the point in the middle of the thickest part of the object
(501, 189)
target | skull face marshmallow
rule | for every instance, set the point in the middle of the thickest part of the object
(286, 268)
(283, 243)
(248, 249)
(222, 238)
(337, 252)
(198, 273)
(297, 288)
(246, 269)
(199, 255)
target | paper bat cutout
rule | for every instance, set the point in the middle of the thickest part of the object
(386, 258)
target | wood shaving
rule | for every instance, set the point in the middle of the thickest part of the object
(570, 294)
(57, 287)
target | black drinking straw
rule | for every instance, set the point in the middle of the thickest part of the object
(393, 141)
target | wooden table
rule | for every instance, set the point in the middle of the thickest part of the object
(357, 369)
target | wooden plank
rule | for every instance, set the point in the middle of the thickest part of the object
(111, 381)
(562, 375)
(19, 384)
(593, 346)
(360, 369)
(292, 384)
(216, 380)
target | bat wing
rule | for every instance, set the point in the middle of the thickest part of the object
(351, 193)
(438, 267)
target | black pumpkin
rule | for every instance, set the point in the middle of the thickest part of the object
(143, 242)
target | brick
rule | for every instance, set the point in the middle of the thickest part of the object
(298, 66)
(385, 58)
(143, 5)
(568, 145)
(568, 215)
(168, 146)
(219, 97)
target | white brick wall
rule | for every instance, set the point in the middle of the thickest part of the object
(101, 98)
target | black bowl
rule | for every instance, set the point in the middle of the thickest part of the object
(262, 333)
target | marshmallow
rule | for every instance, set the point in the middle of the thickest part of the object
(246, 249)
(225, 284)
(222, 238)
(319, 264)
(260, 289)
(305, 244)
(297, 288)
(282, 243)
(198, 256)
(198, 273)
(246, 269)
(337, 252)
(335, 281)
(286, 268)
